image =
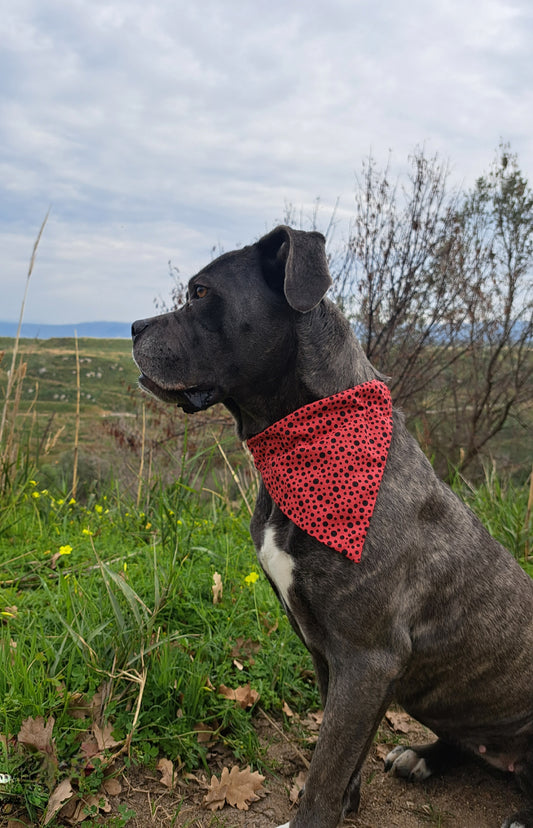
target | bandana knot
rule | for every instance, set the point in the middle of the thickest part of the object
(323, 464)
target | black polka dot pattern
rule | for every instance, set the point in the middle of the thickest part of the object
(323, 464)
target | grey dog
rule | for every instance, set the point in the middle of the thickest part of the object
(437, 615)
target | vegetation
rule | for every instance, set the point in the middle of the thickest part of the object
(134, 620)
(439, 285)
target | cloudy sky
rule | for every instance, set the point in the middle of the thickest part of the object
(157, 130)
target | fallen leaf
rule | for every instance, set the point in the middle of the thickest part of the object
(35, 734)
(313, 721)
(286, 709)
(245, 696)
(238, 664)
(237, 788)
(398, 720)
(59, 796)
(217, 588)
(77, 706)
(112, 786)
(382, 751)
(166, 769)
(245, 649)
(89, 747)
(103, 736)
(207, 734)
(87, 807)
(99, 701)
(297, 787)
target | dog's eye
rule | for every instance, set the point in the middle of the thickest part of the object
(200, 291)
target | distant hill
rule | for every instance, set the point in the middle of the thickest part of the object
(96, 330)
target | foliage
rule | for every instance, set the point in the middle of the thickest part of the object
(149, 631)
(439, 286)
(109, 627)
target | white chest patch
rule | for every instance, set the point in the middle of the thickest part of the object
(277, 564)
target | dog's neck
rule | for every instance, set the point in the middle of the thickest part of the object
(323, 464)
(318, 367)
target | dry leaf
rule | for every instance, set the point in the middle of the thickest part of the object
(398, 720)
(382, 751)
(207, 734)
(297, 787)
(237, 788)
(90, 803)
(238, 664)
(217, 588)
(59, 796)
(168, 777)
(77, 706)
(103, 736)
(245, 696)
(286, 709)
(89, 747)
(245, 649)
(313, 721)
(112, 786)
(35, 734)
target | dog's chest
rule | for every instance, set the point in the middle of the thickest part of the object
(277, 564)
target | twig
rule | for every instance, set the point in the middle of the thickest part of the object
(528, 516)
(289, 741)
(234, 474)
(141, 466)
(11, 374)
(77, 424)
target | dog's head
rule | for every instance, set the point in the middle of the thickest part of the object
(236, 329)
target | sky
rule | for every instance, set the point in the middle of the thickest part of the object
(156, 132)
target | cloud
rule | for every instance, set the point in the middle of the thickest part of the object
(157, 130)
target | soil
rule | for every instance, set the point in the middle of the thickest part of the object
(470, 796)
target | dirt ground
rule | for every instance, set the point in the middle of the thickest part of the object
(471, 796)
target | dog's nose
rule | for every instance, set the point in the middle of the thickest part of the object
(138, 327)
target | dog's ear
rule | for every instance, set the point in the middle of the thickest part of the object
(295, 260)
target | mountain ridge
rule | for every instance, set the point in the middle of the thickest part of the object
(94, 330)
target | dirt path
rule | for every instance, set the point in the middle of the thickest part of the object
(470, 796)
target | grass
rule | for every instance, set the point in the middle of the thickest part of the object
(115, 640)
(103, 597)
(104, 600)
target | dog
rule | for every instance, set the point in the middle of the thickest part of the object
(428, 610)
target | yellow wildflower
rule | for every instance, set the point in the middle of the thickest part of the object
(65, 550)
(251, 578)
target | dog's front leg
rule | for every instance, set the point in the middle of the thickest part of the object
(358, 695)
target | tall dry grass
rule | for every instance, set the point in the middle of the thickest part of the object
(9, 448)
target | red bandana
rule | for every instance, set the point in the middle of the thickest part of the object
(323, 464)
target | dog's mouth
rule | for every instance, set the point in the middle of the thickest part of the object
(188, 399)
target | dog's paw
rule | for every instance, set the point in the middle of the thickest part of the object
(522, 820)
(406, 763)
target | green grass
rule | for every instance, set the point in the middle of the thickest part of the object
(104, 595)
(107, 612)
